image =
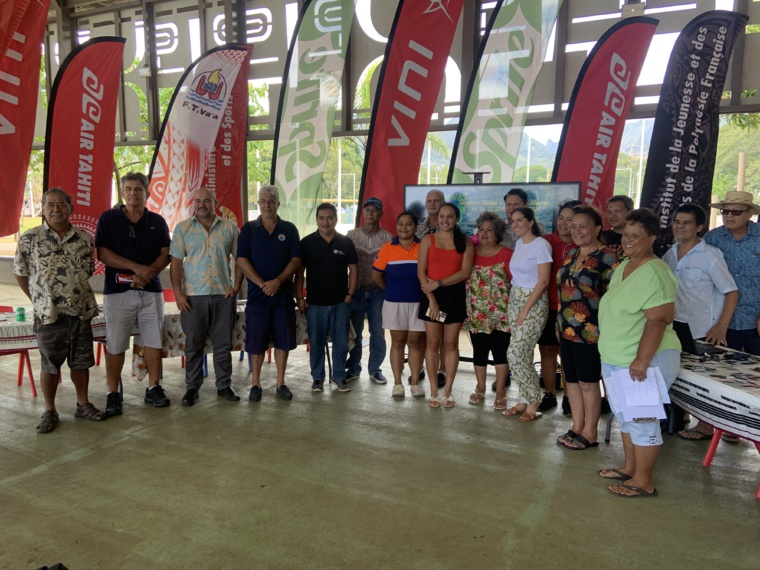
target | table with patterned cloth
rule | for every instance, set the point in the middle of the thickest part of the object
(174, 338)
(19, 336)
(721, 391)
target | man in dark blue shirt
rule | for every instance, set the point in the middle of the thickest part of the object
(269, 252)
(331, 266)
(133, 243)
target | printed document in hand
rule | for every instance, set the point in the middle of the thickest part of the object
(638, 399)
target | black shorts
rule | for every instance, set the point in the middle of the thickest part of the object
(497, 343)
(68, 338)
(580, 361)
(549, 334)
(451, 300)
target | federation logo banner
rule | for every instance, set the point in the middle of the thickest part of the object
(500, 90)
(603, 93)
(409, 84)
(190, 130)
(224, 173)
(310, 96)
(81, 129)
(20, 86)
(685, 134)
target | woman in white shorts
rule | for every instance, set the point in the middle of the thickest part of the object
(395, 270)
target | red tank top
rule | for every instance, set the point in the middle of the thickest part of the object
(442, 262)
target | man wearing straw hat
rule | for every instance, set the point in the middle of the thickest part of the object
(739, 240)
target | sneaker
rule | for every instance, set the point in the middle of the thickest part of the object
(398, 391)
(352, 377)
(341, 385)
(566, 406)
(418, 391)
(318, 386)
(114, 403)
(284, 392)
(548, 402)
(190, 397)
(156, 396)
(378, 378)
(441, 379)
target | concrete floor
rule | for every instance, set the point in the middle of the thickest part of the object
(354, 480)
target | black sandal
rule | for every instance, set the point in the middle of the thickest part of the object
(48, 422)
(89, 412)
(579, 439)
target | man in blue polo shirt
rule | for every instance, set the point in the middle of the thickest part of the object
(739, 240)
(133, 243)
(331, 266)
(268, 254)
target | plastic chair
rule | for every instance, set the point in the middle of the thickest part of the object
(23, 359)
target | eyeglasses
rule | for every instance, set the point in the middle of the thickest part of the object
(735, 213)
(132, 232)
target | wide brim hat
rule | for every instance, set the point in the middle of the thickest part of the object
(737, 197)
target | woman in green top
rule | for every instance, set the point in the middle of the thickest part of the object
(636, 333)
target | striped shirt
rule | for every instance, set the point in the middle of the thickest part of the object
(400, 268)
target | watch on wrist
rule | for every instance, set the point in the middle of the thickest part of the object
(440, 283)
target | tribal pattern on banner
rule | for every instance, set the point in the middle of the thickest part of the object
(190, 129)
(409, 84)
(81, 129)
(20, 87)
(681, 159)
(224, 173)
(311, 93)
(500, 90)
(595, 120)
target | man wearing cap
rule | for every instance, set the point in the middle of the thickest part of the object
(739, 240)
(368, 299)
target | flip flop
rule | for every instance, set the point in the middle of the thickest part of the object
(514, 411)
(638, 490)
(434, 401)
(529, 416)
(620, 475)
(702, 435)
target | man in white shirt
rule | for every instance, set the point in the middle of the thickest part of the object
(707, 293)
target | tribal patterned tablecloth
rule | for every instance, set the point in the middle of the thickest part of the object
(721, 391)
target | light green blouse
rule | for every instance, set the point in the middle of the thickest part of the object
(621, 310)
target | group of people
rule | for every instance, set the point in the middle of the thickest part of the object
(601, 300)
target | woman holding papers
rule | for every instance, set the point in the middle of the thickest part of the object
(636, 333)
(445, 262)
(583, 278)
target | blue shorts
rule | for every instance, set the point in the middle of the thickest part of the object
(647, 434)
(269, 323)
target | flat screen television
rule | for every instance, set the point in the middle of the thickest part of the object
(472, 199)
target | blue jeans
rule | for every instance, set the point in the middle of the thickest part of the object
(368, 303)
(324, 320)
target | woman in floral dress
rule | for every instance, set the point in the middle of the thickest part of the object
(487, 297)
(583, 278)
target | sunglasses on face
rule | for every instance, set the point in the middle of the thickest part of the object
(726, 212)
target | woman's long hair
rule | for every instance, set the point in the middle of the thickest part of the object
(460, 240)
